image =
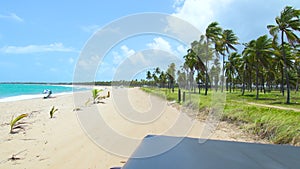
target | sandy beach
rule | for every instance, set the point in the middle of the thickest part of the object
(61, 142)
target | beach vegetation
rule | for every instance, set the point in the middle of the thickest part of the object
(52, 111)
(96, 95)
(14, 121)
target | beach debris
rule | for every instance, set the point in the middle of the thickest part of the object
(13, 121)
(77, 109)
(52, 111)
(15, 157)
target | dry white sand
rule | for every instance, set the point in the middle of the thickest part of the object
(61, 142)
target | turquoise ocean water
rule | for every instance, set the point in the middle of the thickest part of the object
(12, 92)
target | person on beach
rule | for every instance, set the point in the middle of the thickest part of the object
(48, 92)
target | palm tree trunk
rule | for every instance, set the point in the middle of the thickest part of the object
(187, 79)
(257, 89)
(297, 81)
(206, 69)
(192, 81)
(250, 80)
(263, 84)
(282, 82)
(223, 74)
(297, 84)
(244, 77)
(285, 69)
(230, 84)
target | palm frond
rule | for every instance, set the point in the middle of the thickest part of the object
(14, 121)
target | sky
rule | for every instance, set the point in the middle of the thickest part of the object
(45, 41)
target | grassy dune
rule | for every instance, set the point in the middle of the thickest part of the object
(276, 124)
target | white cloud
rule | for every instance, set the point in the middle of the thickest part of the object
(160, 44)
(86, 67)
(118, 57)
(54, 47)
(12, 16)
(126, 51)
(90, 28)
(139, 59)
(182, 50)
(200, 13)
(89, 62)
(177, 4)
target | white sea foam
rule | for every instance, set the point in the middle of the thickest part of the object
(21, 97)
(27, 97)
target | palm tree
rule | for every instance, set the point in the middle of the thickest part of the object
(190, 62)
(199, 48)
(227, 42)
(297, 68)
(247, 66)
(171, 75)
(239, 69)
(155, 78)
(260, 49)
(232, 67)
(155, 75)
(149, 76)
(279, 61)
(162, 79)
(286, 24)
(157, 71)
(215, 73)
(212, 34)
(181, 79)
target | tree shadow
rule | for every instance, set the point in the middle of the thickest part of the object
(248, 95)
(266, 99)
(294, 103)
(278, 102)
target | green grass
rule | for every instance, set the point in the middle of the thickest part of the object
(276, 125)
(271, 98)
(164, 93)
